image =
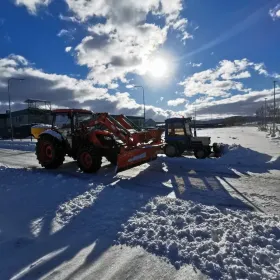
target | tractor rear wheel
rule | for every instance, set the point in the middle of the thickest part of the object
(171, 150)
(89, 159)
(50, 152)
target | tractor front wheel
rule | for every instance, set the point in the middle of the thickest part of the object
(201, 153)
(171, 150)
(89, 159)
(50, 152)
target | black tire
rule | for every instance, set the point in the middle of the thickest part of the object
(50, 152)
(208, 150)
(89, 159)
(217, 149)
(180, 151)
(201, 153)
(171, 150)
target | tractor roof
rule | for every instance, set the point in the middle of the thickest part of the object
(66, 111)
(173, 120)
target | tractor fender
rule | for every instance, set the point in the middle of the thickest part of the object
(53, 133)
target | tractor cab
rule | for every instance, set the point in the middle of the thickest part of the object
(68, 118)
(69, 123)
(66, 121)
(178, 128)
(179, 138)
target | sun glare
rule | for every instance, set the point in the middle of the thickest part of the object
(158, 68)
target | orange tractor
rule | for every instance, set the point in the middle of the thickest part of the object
(87, 137)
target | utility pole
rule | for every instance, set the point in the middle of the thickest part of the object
(274, 111)
(143, 102)
(265, 113)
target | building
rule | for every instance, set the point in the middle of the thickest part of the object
(139, 121)
(37, 111)
(23, 119)
(150, 123)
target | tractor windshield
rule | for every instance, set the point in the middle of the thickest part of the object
(176, 129)
(62, 121)
(82, 119)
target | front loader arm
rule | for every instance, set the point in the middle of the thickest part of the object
(104, 119)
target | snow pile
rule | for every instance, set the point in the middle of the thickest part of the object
(237, 154)
(18, 145)
(222, 243)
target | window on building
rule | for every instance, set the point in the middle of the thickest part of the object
(18, 119)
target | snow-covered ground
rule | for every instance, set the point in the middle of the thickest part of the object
(23, 145)
(170, 219)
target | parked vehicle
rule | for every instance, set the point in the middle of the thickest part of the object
(179, 138)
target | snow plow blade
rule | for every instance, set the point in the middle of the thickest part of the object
(137, 156)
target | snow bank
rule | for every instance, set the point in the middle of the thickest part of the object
(25, 145)
(222, 243)
(238, 155)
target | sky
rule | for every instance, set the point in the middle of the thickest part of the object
(217, 57)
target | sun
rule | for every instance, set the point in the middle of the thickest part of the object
(158, 68)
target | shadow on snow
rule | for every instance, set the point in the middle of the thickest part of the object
(26, 197)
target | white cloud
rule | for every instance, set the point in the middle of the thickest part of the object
(275, 12)
(68, 34)
(160, 100)
(129, 86)
(176, 102)
(32, 5)
(111, 53)
(120, 41)
(181, 25)
(222, 80)
(125, 43)
(195, 64)
(68, 49)
(62, 32)
(240, 104)
(113, 86)
(67, 18)
(65, 91)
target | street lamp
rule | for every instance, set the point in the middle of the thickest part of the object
(11, 120)
(143, 101)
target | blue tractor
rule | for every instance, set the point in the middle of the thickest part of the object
(179, 138)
